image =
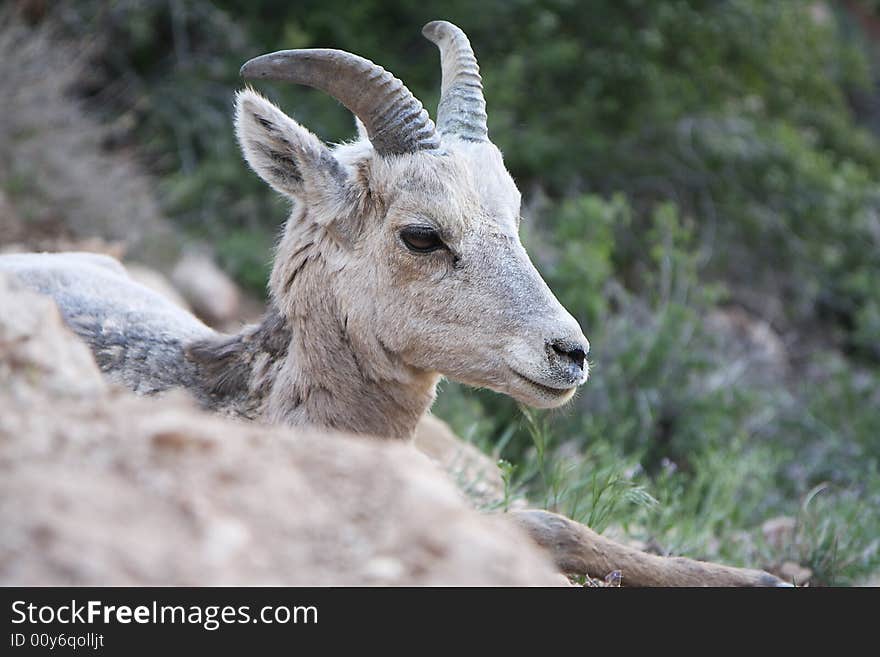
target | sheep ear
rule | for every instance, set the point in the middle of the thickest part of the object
(282, 152)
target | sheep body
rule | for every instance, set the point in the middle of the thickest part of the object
(400, 263)
(136, 335)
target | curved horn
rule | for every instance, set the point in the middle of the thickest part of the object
(395, 120)
(462, 108)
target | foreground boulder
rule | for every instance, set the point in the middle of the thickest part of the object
(98, 487)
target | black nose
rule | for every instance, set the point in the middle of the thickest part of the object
(574, 352)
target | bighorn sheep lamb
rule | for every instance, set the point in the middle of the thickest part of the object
(400, 263)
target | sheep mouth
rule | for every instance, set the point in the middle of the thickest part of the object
(549, 391)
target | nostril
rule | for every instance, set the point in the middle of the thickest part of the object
(576, 354)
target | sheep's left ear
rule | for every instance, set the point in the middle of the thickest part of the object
(285, 154)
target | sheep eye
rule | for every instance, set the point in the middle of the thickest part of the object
(421, 239)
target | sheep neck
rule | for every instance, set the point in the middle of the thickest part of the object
(301, 366)
(323, 379)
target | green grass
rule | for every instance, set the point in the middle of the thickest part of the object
(713, 511)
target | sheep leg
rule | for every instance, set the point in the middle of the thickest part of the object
(577, 549)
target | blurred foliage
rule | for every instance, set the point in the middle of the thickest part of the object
(678, 159)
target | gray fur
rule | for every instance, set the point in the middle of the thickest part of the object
(136, 335)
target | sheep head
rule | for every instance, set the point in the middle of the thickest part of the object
(412, 230)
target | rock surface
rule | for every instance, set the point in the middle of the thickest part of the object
(99, 487)
(475, 474)
(157, 283)
(213, 296)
